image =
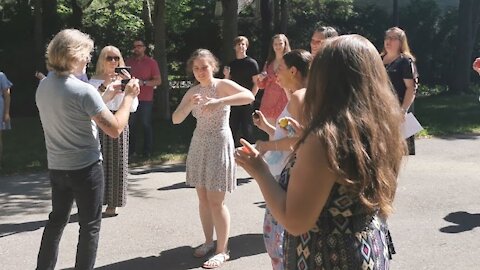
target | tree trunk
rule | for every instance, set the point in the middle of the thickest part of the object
(276, 16)
(38, 36)
(283, 16)
(466, 35)
(77, 15)
(266, 12)
(229, 28)
(395, 14)
(147, 21)
(51, 20)
(160, 54)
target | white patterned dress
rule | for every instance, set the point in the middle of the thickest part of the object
(273, 232)
(210, 162)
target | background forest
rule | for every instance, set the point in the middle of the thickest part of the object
(443, 37)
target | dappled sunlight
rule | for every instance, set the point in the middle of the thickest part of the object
(24, 194)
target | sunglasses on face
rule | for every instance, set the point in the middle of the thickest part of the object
(111, 58)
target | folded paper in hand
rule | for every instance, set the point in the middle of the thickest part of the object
(411, 126)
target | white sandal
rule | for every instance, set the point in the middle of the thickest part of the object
(203, 250)
(216, 261)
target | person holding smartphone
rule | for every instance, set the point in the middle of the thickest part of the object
(72, 112)
(146, 70)
(111, 75)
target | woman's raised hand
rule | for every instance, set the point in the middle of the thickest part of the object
(476, 65)
(259, 120)
(250, 159)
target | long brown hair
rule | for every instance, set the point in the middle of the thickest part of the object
(350, 107)
(402, 37)
(271, 52)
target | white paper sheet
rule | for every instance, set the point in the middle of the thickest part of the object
(411, 126)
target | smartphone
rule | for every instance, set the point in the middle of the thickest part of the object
(119, 69)
(124, 83)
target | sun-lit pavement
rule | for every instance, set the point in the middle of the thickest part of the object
(435, 226)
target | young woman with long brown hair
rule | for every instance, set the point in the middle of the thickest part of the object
(337, 190)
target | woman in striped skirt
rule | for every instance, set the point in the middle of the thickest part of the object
(115, 151)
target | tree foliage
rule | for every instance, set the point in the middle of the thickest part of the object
(192, 24)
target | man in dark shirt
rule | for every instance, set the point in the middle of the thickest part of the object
(242, 70)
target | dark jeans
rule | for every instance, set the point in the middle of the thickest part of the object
(144, 115)
(241, 120)
(86, 187)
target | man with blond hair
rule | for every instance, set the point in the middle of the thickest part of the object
(71, 111)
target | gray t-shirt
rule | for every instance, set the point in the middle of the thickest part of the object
(66, 106)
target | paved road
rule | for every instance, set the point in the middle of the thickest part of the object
(435, 226)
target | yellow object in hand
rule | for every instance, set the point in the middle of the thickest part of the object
(283, 122)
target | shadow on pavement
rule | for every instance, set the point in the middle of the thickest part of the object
(14, 228)
(243, 181)
(262, 204)
(464, 221)
(468, 136)
(162, 168)
(175, 186)
(240, 181)
(181, 258)
(19, 191)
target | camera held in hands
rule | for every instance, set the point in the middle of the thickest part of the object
(124, 83)
(118, 70)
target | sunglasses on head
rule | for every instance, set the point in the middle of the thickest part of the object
(111, 58)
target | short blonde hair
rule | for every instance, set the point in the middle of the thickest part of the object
(102, 58)
(67, 49)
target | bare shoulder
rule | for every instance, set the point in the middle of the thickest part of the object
(312, 161)
(313, 148)
(295, 104)
(226, 87)
(192, 90)
(299, 94)
(222, 83)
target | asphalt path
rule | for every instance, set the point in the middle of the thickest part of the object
(435, 225)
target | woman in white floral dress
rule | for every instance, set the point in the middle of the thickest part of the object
(210, 163)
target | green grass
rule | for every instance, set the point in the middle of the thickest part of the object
(447, 115)
(24, 146)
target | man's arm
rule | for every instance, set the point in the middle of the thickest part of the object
(156, 79)
(6, 105)
(255, 85)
